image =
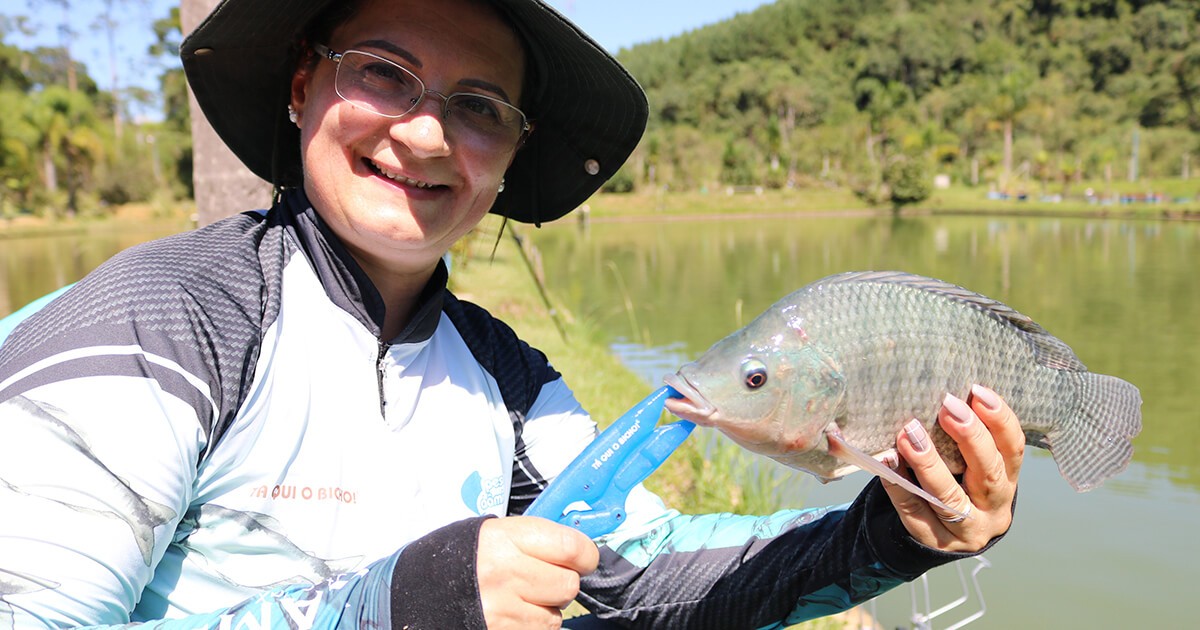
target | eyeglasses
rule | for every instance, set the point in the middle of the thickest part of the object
(388, 89)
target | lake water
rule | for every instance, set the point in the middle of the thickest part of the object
(1124, 295)
(32, 266)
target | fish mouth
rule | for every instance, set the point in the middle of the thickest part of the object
(693, 406)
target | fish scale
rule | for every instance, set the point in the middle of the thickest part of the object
(934, 346)
(853, 357)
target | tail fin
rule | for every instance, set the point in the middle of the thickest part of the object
(1095, 443)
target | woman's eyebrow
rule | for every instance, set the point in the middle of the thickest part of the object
(383, 44)
(487, 85)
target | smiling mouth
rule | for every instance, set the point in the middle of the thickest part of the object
(398, 178)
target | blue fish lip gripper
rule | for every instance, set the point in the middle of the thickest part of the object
(621, 457)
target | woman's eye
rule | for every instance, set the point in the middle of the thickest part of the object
(379, 73)
(754, 374)
(477, 107)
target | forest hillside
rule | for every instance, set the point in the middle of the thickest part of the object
(1015, 95)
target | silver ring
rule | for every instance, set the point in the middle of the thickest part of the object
(957, 518)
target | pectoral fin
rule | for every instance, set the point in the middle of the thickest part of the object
(843, 450)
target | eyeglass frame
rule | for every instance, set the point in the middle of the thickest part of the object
(326, 52)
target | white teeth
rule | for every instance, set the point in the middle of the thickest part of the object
(400, 178)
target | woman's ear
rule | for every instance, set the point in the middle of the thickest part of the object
(301, 79)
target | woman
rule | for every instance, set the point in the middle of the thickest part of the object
(286, 415)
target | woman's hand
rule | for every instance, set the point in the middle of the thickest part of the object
(993, 446)
(528, 570)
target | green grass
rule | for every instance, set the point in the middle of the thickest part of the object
(602, 384)
(719, 202)
(1182, 200)
(134, 216)
(1180, 197)
(507, 290)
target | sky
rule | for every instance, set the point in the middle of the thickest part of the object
(615, 24)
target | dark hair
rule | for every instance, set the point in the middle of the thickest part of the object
(320, 28)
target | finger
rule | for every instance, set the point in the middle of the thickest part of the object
(906, 503)
(1004, 426)
(930, 472)
(985, 476)
(521, 617)
(555, 544)
(990, 477)
(551, 587)
(521, 574)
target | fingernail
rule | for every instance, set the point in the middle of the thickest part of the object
(986, 396)
(957, 408)
(917, 436)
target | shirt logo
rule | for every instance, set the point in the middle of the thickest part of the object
(481, 495)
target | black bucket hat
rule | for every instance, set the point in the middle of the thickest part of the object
(588, 112)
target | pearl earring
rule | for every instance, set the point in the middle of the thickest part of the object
(292, 114)
(501, 185)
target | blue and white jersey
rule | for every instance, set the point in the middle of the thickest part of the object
(207, 431)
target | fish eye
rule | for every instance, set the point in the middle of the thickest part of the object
(754, 374)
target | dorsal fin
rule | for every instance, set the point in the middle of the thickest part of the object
(1049, 350)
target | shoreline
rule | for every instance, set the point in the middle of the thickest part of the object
(651, 207)
(132, 216)
(1140, 214)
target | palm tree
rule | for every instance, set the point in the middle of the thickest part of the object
(65, 128)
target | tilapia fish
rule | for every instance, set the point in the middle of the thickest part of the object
(825, 379)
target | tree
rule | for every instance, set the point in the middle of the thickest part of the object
(908, 182)
(17, 160)
(174, 142)
(67, 135)
(223, 185)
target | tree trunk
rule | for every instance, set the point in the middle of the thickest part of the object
(110, 31)
(224, 186)
(49, 168)
(1008, 151)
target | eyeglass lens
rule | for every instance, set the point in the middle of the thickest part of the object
(389, 89)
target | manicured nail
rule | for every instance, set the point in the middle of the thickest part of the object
(958, 409)
(917, 436)
(986, 396)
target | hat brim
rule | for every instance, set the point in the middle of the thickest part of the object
(588, 112)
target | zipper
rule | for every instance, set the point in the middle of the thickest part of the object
(379, 371)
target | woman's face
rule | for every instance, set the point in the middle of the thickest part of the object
(398, 191)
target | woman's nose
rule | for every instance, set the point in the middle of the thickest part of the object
(423, 130)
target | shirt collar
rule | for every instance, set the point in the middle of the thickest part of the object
(346, 284)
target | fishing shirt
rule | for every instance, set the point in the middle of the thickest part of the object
(208, 432)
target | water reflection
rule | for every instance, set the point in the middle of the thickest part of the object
(32, 266)
(1124, 295)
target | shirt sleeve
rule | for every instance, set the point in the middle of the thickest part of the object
(430, 583)
(99, 489)
(100, 507)
(662, 568)
(725, 570)
(378, 596)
